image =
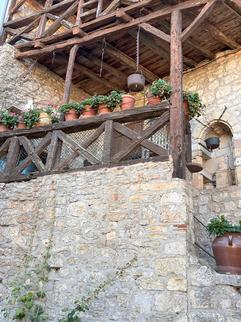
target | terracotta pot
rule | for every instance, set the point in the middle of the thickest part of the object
(21, 125)
(128, 102)
(44, 119)
(227, 253)
(3, 128)
(153, 100)
(88, 112)
(186, 109)
(71, 115)
(103, 109)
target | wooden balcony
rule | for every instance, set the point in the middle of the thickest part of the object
(117, 138)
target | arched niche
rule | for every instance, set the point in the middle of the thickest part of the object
(218, 164)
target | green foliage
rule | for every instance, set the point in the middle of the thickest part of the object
(220, 225)
(87, 101)
(31, 117)
(114, 99)
(54, 115)
(161, 88)
(195, 105)
(66, 107)
(99, 99)
(8, 119)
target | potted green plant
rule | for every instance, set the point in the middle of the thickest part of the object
(158, 91)
(7, 120)
(53, 114)
(87, 107)
(227, 244)
(192, 104)
(114, 99)
(21, 124)
(70, 110)
(31, 117)
(100, 102)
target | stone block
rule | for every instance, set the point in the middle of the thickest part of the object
(171, 302)
(171, 265)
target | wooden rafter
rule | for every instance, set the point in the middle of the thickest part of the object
(17, 6)
(219, 35)
(69, 73)
(43, 19)
(112, 6)
(233, 8)
(199, 19)
(155, 32)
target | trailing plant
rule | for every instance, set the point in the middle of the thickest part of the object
(195, 105)
(9, 119)
(83, 304)
(69, 106)
(220, 225)
(99, 99)
(161, 88)
(114, 99)
(31, 117)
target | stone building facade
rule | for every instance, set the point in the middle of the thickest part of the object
(129, 242)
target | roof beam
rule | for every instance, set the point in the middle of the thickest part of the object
(99, 34)
(24, 30)
(155, 32)
(199, 19)
(235, 8)
(218, 34)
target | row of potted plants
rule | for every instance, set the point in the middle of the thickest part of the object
(99, 104)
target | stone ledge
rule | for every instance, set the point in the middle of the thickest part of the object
(226, 279)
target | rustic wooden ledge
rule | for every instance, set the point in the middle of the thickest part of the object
(137, 114)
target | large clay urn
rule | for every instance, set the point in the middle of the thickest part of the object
(227, 253)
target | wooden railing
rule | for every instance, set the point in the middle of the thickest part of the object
(89, 143)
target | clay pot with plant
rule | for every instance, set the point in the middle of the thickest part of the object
(192, 105)
(114, 100)
(128, 102)
(53, 114)
(158, 91)
(226, 245)
(70, 111)
(21, 124)
(31, 117)
(100, 102)
(8, 120)
(87, 109)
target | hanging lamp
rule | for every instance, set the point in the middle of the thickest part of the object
(136, 81)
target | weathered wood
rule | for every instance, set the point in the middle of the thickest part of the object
(69, 73)
(12, 156)
(43, 19)
(99, 8)
(108, 137)
(52, 151)
(235, 5)
(78, 20)
(155, 32)
(22, 21)
(133, 135)
(55, 26)
(32, 153)
(64, 22)
(99, 34)
(67, 161)
(177, 138)
(94, 136)
(152, 129)
(89, 123)
(232, 8)
(111, 7)
(219, 35)
(188, 143)
(16, 31)
(4, 147)
(17, 6)
(199, 19)
(204, 51)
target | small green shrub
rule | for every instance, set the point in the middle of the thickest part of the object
(114, 99)
(66, 107)
(195, 105)
(161, 88)
(31, 117)
(8, 119)
(220, 225)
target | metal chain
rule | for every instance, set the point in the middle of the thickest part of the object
(102, 56)
(138, 49)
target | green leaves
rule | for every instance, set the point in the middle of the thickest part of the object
(161, 88)
(114, 99)
(8, 119)
(31, 117)
(195, 106)
(220, 225)
(66, 107)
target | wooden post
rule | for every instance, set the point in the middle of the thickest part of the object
(43, 19)
(177, 133)
(69, 73)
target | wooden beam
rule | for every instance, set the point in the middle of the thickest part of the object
(99, 8)
(99, 34)
(55, 26)
(69, 73)
(234, 9)
(204, 51)
(112, 6)
(199, 19)
(78, 20)
(26, 29)
(219, 35)
(155, 32)
(64, 22)
(177, 135)
(43, 19)
(17, 6)
(108, 138)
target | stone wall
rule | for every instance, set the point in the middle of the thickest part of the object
(96, 223)
(23, 84)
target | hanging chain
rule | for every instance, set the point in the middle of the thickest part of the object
(102, 56)
(138, 49)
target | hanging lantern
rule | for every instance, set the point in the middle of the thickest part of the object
(136, 81)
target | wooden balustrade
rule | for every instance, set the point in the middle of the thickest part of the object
(87, 143)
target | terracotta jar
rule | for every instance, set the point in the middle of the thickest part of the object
(88, 111)
(21, 125)
(103, 109)
(185, 109)
(227, 253)
(71, 115)
(3, 128)
(153, 100)
(44, 119)
(128, 102)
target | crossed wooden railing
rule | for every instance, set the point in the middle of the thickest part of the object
(100, 141)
